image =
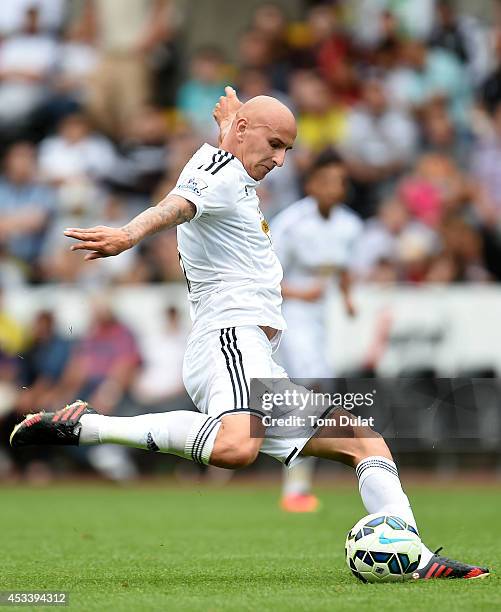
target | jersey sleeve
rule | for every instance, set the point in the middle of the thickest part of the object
(213, 193)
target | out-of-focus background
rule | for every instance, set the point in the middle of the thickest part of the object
(102, 102)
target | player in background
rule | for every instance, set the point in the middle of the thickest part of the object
(233, 278)
(322, 221)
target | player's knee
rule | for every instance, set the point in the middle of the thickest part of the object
(369, 443)
(235, 454)
(243, 456)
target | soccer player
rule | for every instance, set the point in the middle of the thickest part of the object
(233, 278)
(323, 220)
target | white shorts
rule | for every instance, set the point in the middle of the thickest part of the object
(217, 370)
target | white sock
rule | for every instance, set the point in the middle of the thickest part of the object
(297, 480)
(382, 491)
(188, 434)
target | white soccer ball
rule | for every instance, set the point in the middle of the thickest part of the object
(383, 548)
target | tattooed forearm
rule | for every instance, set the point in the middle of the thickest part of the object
(103, 241)
(171, 211)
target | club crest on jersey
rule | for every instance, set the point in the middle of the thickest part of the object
(264, 224)
(193, 184)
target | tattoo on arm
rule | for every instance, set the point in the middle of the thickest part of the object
(170, 212)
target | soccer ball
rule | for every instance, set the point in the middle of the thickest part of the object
(383, 548)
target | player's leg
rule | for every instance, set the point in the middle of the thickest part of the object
(302, 357)
(297, 483)
(366, 451)
(188, 434)
(380, 487)
(222, 442)
(238, 441)
(217, 381)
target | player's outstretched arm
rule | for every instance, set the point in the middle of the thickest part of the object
(103, 241)
(225, 110)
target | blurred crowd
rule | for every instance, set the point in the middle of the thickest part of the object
(101, 107)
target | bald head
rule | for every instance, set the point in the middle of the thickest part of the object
(268, 111)
(262, 132)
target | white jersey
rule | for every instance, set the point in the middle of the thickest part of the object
(231, 269)
(310, 246)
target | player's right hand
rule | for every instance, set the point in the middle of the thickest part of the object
(101, 241)
(225, 110)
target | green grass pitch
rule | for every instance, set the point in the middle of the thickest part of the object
(231, 549)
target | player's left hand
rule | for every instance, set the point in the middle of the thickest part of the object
(102, 241)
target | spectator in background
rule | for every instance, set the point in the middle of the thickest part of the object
(463, 36)
(414, 17)
(59, 265)
(142, 155)
(269, 19)
(331, 52)
(124, 39)
(425, 74)
(183, 143)
(103, 363)
(256, 82)
(393, 240)
(75, 161)
(26, 206)
(321, 123)
(385, 58)
(160, 381)
(255, 51)
(379, 142)
(13, 341)
(315, 64)
(440, 135)
(447, 32)
(51, 15)
(12, 271)
(70, 84)
(101, 370)
(485, 165)
(490, 90)
(198, 95)
(435, 190)
(13, 336)
(76, 153)
(27, 62)
(43, 364)
(462, 254)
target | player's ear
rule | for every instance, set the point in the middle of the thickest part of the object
(241, 128)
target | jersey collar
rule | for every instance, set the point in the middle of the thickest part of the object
(237, 164)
